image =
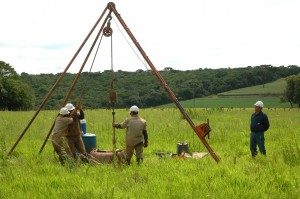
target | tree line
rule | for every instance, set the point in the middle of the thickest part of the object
(15, 94)
(27, 91)
(143, 89)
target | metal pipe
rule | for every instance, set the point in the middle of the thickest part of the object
(111, 6)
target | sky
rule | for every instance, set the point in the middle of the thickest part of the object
(41, 36)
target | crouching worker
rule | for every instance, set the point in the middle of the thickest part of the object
(136, 135)
(59, 132)
(75, 141)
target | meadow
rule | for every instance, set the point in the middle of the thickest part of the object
(26, 174)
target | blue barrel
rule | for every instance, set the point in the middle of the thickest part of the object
(83, 126)
(90, 142)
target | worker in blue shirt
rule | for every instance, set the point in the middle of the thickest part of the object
(258, 126)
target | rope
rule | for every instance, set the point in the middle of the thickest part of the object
(112, 93)
(143, 62)
(113, 100)
(85, 84)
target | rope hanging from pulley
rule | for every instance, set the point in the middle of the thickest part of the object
(107, 31)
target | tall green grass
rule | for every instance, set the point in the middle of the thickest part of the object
(26, 174)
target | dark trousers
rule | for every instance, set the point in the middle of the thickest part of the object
(138, 152)
(257, 139)
(76, 145)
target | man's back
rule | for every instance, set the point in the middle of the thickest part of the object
(135, 126)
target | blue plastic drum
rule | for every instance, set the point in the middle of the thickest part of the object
(90, 142)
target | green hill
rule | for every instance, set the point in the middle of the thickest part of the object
(242, 98)
(275, 88)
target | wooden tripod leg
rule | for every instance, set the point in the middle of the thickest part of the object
(56, 83)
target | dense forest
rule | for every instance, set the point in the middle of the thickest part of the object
(143, 89)
(15, 94)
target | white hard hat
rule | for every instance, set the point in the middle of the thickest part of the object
(134, 109)
(259, 104)
(64, 111)
(70, 106)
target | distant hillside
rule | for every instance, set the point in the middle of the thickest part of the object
(275, 88)
(242, 98)
(144, 90)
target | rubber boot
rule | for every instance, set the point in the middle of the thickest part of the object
(128, 161)
(84, 158)
(62, 159)
(139, 160)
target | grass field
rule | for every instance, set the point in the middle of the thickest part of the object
(26, 174)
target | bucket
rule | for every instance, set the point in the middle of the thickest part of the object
(182, 147)
(89, 141)
(83, 126)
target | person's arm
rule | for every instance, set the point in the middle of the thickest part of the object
(145, 137)
(68, 120)
(73, 114)
(122, 125)
(266, 123)
(81, 114)
(145, 133)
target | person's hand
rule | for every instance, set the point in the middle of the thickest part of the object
(146, 143)
(116, 125)
(78, 105)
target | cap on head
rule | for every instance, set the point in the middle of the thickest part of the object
(259, 104)
(134, 109)
(70, 106)
(64, 111)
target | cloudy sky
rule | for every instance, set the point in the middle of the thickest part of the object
(41, 36)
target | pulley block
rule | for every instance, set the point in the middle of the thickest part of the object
(112, 96)
(107, 31)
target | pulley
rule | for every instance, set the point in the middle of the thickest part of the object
(112, 96)
(107, 31)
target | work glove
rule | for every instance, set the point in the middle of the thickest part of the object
(146, 143)
(118, 126)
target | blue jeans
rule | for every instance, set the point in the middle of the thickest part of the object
(257, 138)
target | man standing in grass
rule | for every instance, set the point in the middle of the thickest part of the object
(259, 124)
(136, 135)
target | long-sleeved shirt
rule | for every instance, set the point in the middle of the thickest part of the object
(134, 130)
(259, 122)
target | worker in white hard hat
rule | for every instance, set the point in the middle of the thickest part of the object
(74, 138)
(136, 135)
(59, 133)
(258, 126)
